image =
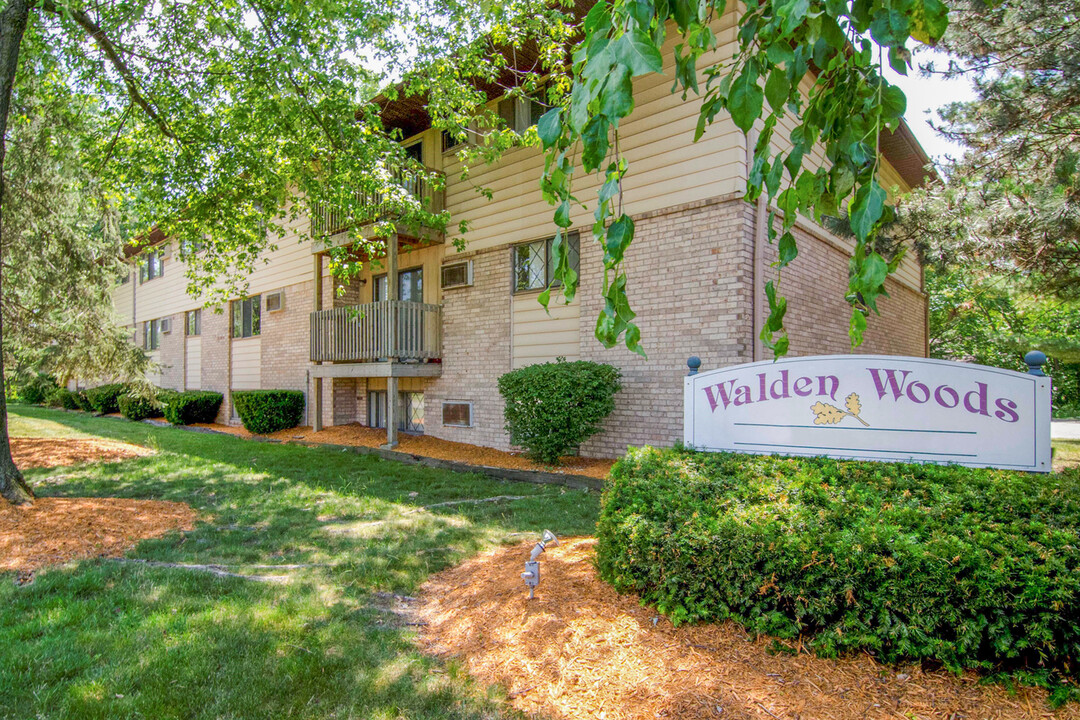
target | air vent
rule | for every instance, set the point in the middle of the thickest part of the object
(166, 325)
(457, 274)
(275, 301)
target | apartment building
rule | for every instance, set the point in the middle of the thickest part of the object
(436, 326)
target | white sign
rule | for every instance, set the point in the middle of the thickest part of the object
(873, 407)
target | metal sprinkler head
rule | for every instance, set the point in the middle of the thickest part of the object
(531, 576)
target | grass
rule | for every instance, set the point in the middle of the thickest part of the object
(100, 639)
(1066, 453)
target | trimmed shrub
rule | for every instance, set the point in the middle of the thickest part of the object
(82, 401)
(54, 397)
(66, 399)
(192, 406)
(972, 568)
(551, 408)
(104, 398)
(137, 407)
(267, 411)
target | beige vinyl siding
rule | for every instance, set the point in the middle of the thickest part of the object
(429, 258)
(246, 363)
(539, 337)
(193, 363)
(666, 169)
(123, 297)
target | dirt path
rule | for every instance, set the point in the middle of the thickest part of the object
(580, 650)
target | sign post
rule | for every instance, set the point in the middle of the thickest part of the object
(874, 407)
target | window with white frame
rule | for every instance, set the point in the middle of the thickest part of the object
(457, 413)
(245, 317)
(534, 262)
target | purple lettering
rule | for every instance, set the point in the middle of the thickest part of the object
(890, 383)
(742, 395)
(802, 386)
(981, 395)
(821, 385)
(783, 383)
(724, 397)
(1006, 410)
(762, 397)
(941, 390)
(925, 391)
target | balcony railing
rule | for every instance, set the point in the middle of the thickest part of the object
(379, 205)
(377, 331)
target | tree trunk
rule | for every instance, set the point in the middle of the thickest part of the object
(12, 26)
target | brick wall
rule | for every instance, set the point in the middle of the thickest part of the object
(818, 316)
(285, 346)
(476, 351)
(690, 284)
(216, 358)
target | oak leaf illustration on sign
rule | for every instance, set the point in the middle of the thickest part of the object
(825, 414)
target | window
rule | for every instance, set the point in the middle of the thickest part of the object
(193, 322)
(416, 152)
(521, 113)
(152, 334)
(534, 262)
(457, 274)
(152, 265)
(245, 317)
(190, 247)
(456, 413)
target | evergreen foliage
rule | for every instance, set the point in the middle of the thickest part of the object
(266, 411)
(191, 406)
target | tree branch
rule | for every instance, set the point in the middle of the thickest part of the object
(106, 44)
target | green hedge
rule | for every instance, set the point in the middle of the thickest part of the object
(551, 408)
(104, 398)
(972, 568)
(82, 401)
(137, 407)
(192, 406)
(66, 399)
(267, 411)
(34, 390)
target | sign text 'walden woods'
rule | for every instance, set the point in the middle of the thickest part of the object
(873, 407)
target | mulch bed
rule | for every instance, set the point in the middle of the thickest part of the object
(53, 452)
(580, 650)
(358, 435)
(57, 530)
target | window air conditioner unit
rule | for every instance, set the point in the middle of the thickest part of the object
(275, 301)
(166, 325)
(457, 274)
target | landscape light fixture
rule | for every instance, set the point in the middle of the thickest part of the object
(531, 576)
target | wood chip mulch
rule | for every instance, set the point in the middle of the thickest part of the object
(56, 530)
(357, 435)
(54, 452)
(580, 650)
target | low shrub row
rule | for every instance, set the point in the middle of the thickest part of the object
(971, 568)
(267, 411)
(191, 406)
(105, 399)
(138, 407)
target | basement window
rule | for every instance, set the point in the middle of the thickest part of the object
(457, 413)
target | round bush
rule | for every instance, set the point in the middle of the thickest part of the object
(81, 401)
(551, 408)
(66, 399)
(972, 568)
(104, 398)
(137, 407)
(267, 411)
(192, 406)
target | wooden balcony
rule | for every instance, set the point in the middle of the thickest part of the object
(380, 206)
(379, 332)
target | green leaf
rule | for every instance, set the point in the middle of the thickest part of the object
(617, 97)
(893, 102)
(549, 127)
(929, 20)
(562, 214)
(857, 328)
(619, 237)
(745, 99)
(595, 143)
(777, 89)
(866, 209)
(638, 52)
(787, 248)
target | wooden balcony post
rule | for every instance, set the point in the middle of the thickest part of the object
(391, 334)
(316, 405)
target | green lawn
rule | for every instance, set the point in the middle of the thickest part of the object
(101, 639)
